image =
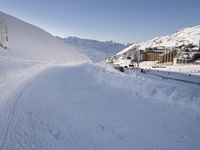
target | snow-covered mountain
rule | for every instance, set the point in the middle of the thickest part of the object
(186, 36)
(95, 50)
(29, 42)
(65, 103)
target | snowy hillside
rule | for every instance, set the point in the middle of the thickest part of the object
(32, 43)
(185, 36)
(95, 50)
(30, 50)
(53, 98)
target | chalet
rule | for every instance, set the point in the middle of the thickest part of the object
(189, 55)
(184, 57)
(197, 61)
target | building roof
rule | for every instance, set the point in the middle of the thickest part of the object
(185, 55)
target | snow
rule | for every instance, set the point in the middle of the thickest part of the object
(95, 50)
(186, 36)
(179, 68)
(68, 107)
(184, 72)
(30, 43)
(54, 97)
(186, 68)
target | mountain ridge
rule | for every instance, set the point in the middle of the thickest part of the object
(184, 36)
(94, 49)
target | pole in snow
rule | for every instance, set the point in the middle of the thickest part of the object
(106, 58)
(4, 34)
(199, 44)
(138, 55)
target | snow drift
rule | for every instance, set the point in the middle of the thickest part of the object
(68, 108)
(32, 43)
(30, 50)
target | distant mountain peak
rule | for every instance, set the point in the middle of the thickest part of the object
(184, 36)
(94, 49)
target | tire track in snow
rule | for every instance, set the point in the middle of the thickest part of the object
(10, 112)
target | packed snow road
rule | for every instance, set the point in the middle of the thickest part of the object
(68, 108)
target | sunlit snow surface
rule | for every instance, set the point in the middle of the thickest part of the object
(55, 98)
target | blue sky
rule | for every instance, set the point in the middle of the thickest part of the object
(119, 20)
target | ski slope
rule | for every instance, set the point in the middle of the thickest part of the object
(67, 107)
(31, 43)
(30, 50)
(54, 97)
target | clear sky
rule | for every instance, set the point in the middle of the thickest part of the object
(119, 20)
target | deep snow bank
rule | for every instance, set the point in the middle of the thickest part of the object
(32, 43)
(30, 50)
(146, 86)
(68, 108)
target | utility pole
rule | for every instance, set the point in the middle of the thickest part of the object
(104, 71)
(106, 58)
(4, 34)
(199, 44)
(138, 58)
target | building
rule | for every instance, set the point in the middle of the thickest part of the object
(184, 57)
(150, 55)
(189, 55)
(197, 61)
(168, 56)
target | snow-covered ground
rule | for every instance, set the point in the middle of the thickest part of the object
(31, 43)
(188, 69)
(86, 107)
(95, 50)
(179, 68)
(186, 72)
(54, 97)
